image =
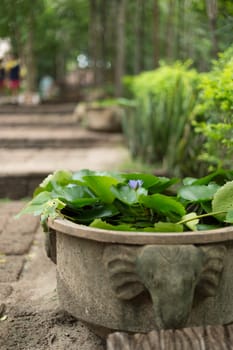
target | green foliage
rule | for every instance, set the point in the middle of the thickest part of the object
(134, 202)
(215, 112)
(158, 128)
(62, 29)
(222, 201)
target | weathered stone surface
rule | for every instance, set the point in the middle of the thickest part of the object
(104, 118)
(198, 338)
(10, 268)
(3, 221)
(5, 291)
(139, 288)
(17, 245)
(99, 118)
(8, 208)
(18, 235)
(171, 275)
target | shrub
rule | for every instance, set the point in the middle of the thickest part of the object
(215, 110)
(158, 128)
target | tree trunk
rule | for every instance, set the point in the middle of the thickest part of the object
(110, 39)
(156, 34)
(30, 59)
(138, 26)
(170, 31)
(93, 38)
(120, 48)
(97, 37)
(60, 66)
(212, 12)
(180, 49)
(103, 47)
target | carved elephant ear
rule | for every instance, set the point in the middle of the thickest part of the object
(212, 269)
(120, 264)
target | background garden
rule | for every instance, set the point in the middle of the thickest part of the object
(168, 63)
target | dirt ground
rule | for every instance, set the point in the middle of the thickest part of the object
(30, 316)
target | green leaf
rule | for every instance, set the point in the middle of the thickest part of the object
(197, 193)
(192, 224)
(101, 186)
(163, 204)
(125, 194)
(58, 179)
(62, 177)
(79, 176)
(162, 184)
(84, 172)
(229, 216)
(76, 195)
(189, 181)
(98, 223)
(128, 195)
(168, 227)
(86, 215)
(218, 174)
(223, 200)
(154, 183)
(36, 205)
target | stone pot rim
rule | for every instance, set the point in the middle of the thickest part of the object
(141, 238)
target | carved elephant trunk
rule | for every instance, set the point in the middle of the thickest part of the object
(172, 275)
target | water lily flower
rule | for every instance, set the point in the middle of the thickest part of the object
(135, 184)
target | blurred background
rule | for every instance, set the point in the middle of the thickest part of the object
(96, 42)
(167, 64)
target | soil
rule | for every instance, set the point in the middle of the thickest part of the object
(31, 330)
(30, 315)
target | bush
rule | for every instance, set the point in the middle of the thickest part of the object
(215, 110)
(158, 128)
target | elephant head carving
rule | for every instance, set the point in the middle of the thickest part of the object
(171, 274)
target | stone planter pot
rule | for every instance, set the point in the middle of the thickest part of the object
(136, 282)
(99, 118)
(104, 118)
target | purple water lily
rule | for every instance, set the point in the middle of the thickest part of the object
(135, 184)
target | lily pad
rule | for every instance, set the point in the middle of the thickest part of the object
(223, 200)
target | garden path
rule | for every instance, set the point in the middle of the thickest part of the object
(33, 144)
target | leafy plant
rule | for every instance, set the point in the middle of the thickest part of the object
(135, 201)
(158, 128)
(215, 112)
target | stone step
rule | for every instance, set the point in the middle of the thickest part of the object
(47, 108)
(54, 137)
(23, 169)
(28, 120)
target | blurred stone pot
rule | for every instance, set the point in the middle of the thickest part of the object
(104, 118)
(136, 282)
(99, 118)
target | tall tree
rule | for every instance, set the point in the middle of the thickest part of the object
(29, 51)
(156, 33)
(93, 38)
(170, 31)
(120, 47)
(19, 24)
(212, 12)
(139, 35)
